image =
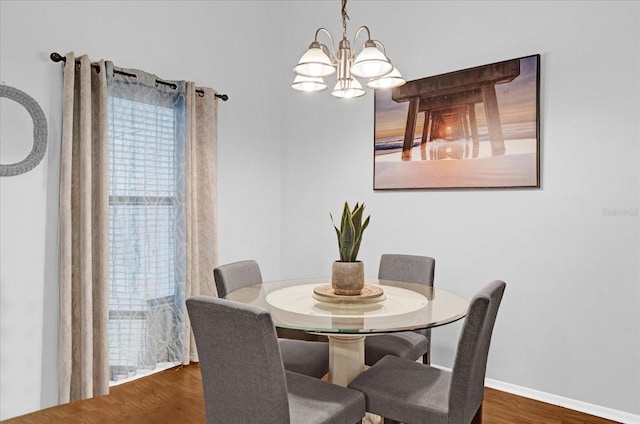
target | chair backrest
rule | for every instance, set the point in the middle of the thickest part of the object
(467, 380)
(235, 276)
(243, 377)
(407, 268)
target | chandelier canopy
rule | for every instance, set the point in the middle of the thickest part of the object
(319, 62)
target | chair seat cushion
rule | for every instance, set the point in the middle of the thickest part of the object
(406, 344)
(305, 357)
(405, 390)
(313, 401)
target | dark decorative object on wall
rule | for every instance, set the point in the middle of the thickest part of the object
(39, 132)
(474, 128)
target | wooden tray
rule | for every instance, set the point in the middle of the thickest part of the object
(369, 294)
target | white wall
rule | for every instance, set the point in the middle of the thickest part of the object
(205, 42)
(569, 323)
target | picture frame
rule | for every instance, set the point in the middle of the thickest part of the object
(475, 128)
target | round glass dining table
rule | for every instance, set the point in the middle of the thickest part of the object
(299, 304)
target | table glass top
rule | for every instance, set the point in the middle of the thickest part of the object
(403, 306)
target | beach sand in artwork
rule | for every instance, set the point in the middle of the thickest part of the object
(517, 168)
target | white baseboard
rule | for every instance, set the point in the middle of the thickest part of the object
(576, 405)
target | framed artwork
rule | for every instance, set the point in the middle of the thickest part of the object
(474, 128)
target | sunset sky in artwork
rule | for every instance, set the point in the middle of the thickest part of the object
(516, 102)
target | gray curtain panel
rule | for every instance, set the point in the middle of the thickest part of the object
(201, 205)
(84, 202)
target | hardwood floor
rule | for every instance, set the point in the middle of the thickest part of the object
(505, 408)
(175, 396)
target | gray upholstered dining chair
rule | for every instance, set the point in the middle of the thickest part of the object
(407, 391)
(405, 344)
(302, 356)
(243, 377)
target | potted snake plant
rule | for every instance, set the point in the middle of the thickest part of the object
(347, 274)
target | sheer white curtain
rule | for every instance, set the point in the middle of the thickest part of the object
(155, 235)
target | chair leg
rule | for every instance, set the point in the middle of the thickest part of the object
(426, 358)
(477, 419)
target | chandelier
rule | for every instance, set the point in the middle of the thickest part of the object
(319, 62)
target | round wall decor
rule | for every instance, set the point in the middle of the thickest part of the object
(39, 132)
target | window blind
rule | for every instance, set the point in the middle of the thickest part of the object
(146, 235)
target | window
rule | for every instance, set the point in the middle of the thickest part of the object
(146, 228)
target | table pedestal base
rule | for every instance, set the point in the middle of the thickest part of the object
(346, 361)
(346, 358)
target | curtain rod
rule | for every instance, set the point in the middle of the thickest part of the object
(57, 57)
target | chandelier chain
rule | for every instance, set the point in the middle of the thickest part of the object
(345, 18)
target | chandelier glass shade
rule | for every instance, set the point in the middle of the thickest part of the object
(348, 89)
(308, 84)
(314, 63)
(390, 80)
(371, 63)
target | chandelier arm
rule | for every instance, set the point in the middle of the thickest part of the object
(355, 37)
(333, 47)
(384, 51)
